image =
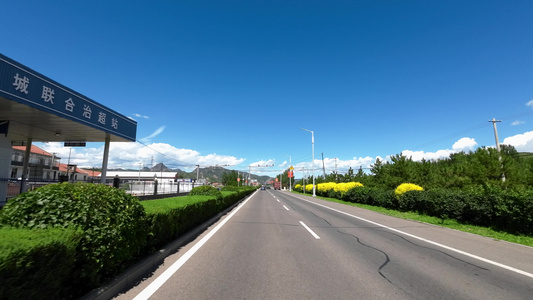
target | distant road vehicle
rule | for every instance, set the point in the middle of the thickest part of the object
(277, 185)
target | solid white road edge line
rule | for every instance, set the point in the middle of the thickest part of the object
(310, 231)
(428, 241)
(159, 281)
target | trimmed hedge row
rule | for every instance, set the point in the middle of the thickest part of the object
(98, 232)
(37, 263)
(175, 218)
(510, 211)
(110, 219)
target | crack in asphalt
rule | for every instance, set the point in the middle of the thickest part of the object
(433, 249)
(387, 258)
(401, 237)
(321, 219)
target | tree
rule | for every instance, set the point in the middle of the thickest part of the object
(230, 178)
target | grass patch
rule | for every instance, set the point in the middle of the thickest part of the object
(449, 223)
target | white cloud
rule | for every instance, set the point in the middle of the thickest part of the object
(141, 116)
(464, 144)
(530, 103)
(130, 155)
(263, 163)
(522, 142)
(515, 123)
(419, 155)
(153, 135)
(332, 164)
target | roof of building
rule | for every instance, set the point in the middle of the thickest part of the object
(34, 149)
(63, 168)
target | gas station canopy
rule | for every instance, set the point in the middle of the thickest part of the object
(35, 107)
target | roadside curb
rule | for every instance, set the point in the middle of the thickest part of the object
(137, 272)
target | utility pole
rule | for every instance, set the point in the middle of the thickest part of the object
(323, 166)
(336, 174)
(494, 121)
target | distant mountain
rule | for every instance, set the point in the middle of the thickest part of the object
(160, 167)
(214, 174)
(211, 174)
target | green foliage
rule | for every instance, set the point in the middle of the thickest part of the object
(171, 217)
(485, 166)
(68, 238)
(231, 188)
(169, 220)
(230, 178)
(37, 264)
(491, 206)
(111, 220)
(206, 190)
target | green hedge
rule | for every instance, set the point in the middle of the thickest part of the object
(505, 210)
(110, 219)
(62, 240)
(206, 190)
(38, 263)
(169, 218)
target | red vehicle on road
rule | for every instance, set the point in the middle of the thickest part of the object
(277, 185)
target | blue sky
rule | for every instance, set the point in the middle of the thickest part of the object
(232, 82)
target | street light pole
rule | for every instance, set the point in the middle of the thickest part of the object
(313, 151)
(197, 173)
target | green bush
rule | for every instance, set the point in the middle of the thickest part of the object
(206, 190)
(231, 188)
(38, 263)
(111, 220)
(169, 218)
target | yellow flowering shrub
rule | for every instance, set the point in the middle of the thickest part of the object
(298, 186)
(325, 187)
(405, 187)
(343, 187)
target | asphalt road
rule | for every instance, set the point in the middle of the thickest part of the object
(278, 245)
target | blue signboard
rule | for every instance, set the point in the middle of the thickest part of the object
(23, 85)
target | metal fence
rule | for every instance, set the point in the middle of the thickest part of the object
(136, 188)
(143, 188)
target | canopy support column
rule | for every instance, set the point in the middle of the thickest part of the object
(25, 166)
(106, 157)
(5, 167)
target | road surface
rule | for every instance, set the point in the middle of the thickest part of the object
(279, 245)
